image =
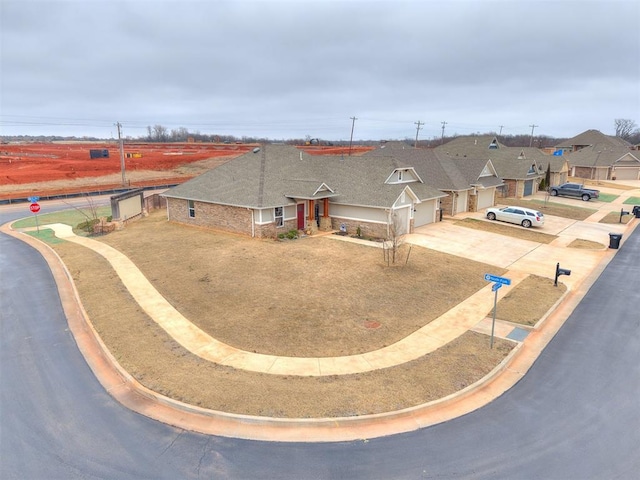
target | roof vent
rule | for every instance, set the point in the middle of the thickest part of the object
(256, 150)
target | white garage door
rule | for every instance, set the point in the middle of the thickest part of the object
(424, 214)
(461, 202)
(485, 198)
(630, 173)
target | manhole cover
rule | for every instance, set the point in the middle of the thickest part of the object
(371, 324)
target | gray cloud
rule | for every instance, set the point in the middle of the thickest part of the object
(288, 69)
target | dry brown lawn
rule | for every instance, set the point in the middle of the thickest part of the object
(614, 217)
(514, 231)
(308, 297)
(530, 300)
(586, 244)
(551, 208)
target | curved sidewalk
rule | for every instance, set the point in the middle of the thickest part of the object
(432, 336)
(138, 398)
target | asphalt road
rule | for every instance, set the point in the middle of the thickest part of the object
(576, 415)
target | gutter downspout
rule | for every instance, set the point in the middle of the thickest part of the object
(253, 223)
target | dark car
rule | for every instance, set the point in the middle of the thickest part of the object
(574, 190)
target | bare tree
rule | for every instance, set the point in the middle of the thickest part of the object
(625, 128)
(395, 238)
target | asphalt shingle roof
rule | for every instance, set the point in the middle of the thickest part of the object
(594, 137)
(272, 175)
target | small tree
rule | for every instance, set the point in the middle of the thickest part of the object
(395, 238)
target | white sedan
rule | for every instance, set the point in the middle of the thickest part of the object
(518, 215)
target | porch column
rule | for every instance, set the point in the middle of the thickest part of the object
(312, 227)
(325, 220)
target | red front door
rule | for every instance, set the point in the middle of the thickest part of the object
(301, 224)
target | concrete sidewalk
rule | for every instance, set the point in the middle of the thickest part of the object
(520, 257)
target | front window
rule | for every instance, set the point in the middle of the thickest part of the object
(278, 213)
(192, 209)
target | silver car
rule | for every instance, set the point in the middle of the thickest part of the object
(518, 215)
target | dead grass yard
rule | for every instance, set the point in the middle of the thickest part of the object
(530, 300)
(510, 230)
(159, 363)
(313, 296)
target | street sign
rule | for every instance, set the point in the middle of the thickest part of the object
(495, 286)
(34, 207)
(34, 199)
(494, 278)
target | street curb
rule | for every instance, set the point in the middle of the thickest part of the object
(130, 393)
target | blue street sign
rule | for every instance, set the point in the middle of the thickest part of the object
(34, 199)
(495, 286)
(494, 278)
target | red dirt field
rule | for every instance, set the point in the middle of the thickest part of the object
(44, 162)
(59, 168)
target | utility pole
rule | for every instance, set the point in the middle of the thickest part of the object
(532, 127)
(442, 138)
(353, 124)
(120, 141)
(500, 134)
(418, 123)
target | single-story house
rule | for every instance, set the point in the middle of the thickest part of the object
(520, 168)
(470, 183)
(277, 188)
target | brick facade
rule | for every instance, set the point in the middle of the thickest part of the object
(377, 230)
(230, 219)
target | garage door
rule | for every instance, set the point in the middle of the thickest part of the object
(424, 214)
(485, 198)
(528, 188)
(631, 173)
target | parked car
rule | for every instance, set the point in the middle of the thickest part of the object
(574, 190)
(518, 215)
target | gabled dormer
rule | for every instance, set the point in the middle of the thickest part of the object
(494, 144)
(521, 156)
(403, 175)
(488, 171)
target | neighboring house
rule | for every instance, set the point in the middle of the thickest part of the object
(605, 162)
(521, 168)
(559, 168)
(277, 188)
(590, 138)
(470, 184)
(595, 156)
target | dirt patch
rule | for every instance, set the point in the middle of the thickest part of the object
(507, 230)
(529, 300)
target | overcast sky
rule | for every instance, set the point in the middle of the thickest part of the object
(290, 69)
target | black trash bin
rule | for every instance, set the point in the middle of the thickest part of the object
(636, 211)
(614, 240)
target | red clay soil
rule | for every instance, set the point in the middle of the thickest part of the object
(38, 163)
(43, 162)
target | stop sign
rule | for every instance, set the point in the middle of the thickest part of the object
(34, 207)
